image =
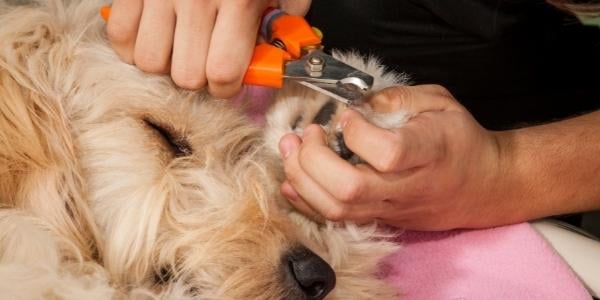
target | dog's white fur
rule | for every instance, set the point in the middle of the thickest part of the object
(95, 204)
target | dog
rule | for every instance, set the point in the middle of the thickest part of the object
(115, 184)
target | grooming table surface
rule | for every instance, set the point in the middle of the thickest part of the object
(510, 262)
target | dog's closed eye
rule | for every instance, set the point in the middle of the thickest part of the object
(177, 143)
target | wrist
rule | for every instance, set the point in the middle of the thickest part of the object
(504, 184)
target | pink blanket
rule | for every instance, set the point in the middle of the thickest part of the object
(511, 262)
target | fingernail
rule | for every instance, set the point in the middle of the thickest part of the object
(286, 146)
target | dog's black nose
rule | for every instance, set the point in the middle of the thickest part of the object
(312, 275)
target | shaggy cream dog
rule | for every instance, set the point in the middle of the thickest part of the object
(115, 184)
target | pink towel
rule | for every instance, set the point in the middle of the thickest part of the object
(511, 262)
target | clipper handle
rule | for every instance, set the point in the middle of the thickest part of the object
(286, 35)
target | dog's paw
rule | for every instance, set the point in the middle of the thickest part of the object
(297, 106)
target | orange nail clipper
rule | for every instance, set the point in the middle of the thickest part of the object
(294, 52)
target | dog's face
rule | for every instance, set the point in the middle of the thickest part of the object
(184, 196)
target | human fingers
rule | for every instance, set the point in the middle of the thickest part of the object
(413, 99)
(299, 183)
(155, 37)
(232, 44)
(345, 182)
(413, 145)
(195, 21)
(288, 191)
(122, 27)
(309, 196)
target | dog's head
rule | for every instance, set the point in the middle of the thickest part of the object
(184, 195)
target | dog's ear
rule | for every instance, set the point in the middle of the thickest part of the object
(24, 141)
(38, 163)
(39, 169)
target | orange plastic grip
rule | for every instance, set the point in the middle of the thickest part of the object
(295, 33)
(266, 67)
(105, 12)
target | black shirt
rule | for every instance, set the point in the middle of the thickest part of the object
(510, 62)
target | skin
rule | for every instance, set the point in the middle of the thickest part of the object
(199, 43)
(442, 170)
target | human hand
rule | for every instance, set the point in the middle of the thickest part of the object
(199, 43)
(436, 172)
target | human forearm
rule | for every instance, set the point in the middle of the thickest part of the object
(550, 169)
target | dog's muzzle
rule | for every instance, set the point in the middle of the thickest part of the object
(308, 275)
